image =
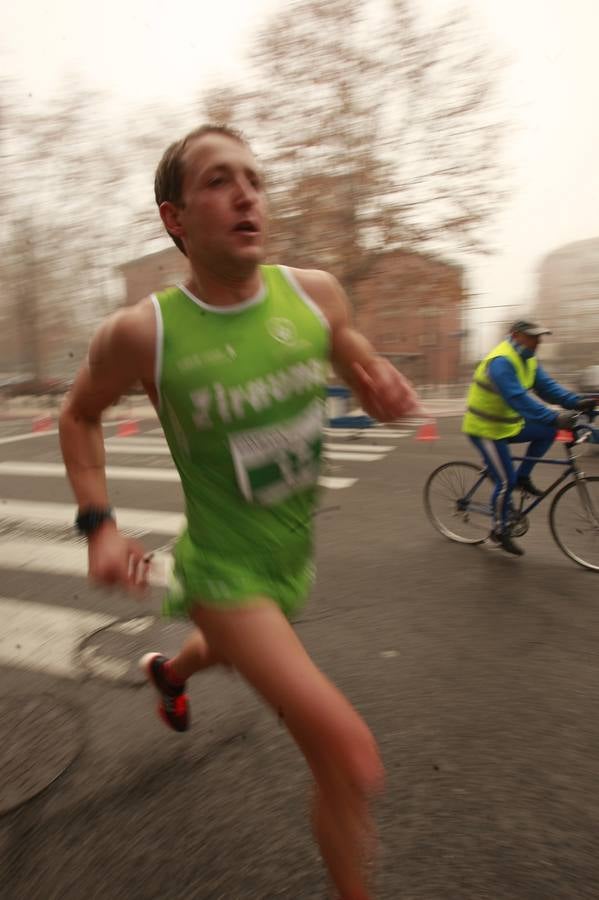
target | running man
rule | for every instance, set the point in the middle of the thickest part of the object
(235, 362)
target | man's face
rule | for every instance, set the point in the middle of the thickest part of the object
(527, 340)
(222, 215)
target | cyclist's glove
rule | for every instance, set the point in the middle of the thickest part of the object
(566, 420)
(586, 405)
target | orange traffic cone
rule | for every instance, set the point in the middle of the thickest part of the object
(42, 423)
(565, 436)
(428, 432)
(127, 428)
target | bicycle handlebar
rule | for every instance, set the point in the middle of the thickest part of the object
(582, 431)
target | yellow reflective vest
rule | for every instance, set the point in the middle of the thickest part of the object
(487, 413)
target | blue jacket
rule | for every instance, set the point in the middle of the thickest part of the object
(504, 376)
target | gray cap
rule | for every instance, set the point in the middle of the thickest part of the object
(531, 328)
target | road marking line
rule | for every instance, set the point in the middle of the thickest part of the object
(137, 449)
(57, 470)
(62, 558)
(124, 442)
(355, 457)
(135, 626)
(141, 521)
(156, 447)
(43, 637)
(132, 473)
(374, 430)
(106, 666)
(359, 447)
(25, 436)
(335, 484)
(376, 433)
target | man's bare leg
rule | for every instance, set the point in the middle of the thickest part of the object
(339, 748)
(332, 837)
(169, 677)
(194, 656)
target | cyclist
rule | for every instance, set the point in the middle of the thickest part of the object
(500, 411)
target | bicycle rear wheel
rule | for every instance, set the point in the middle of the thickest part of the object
(457, 499)
(574, 521)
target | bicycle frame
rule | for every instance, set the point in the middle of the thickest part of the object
(454, 509)
(571, 470)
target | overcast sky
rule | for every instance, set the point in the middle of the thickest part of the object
(552, 92)
(139, 50)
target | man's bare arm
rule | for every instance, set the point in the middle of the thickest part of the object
(384, 393)
(117, 359)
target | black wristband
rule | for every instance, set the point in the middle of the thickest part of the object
(90, 518)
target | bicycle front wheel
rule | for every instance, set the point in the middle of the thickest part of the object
(574, 521)
(457, 499)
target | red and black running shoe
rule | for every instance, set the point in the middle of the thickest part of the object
(173, 707)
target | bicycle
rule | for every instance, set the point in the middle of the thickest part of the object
(457, 499)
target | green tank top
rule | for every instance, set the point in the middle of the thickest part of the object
(241, 394)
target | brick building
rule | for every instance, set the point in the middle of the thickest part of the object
(409, 305)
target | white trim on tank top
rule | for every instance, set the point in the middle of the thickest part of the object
(290, 277)
(159, 346)
(227, 310)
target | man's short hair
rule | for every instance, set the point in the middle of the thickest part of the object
(168, 181)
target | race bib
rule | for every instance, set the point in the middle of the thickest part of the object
(274, 462)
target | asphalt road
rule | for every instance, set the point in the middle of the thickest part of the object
(477, 671)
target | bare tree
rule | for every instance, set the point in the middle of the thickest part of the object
(73, 207)
(377, 130)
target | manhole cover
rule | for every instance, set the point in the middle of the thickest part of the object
(39, 739)
(113, 652)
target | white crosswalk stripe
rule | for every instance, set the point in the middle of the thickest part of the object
(359, 446)
(133, 473)
(65, 558)
(114, 473)
(156, 447)
(44, 637)
(378, 433)
(334, 483)
(16, 438)
(133, 447)
(47, 638)
(137, 521)
(356, 456)
(50, 432)
(38, 537)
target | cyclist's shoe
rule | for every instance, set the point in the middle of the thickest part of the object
(523, 483)
(504, 539)
(173, 707)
